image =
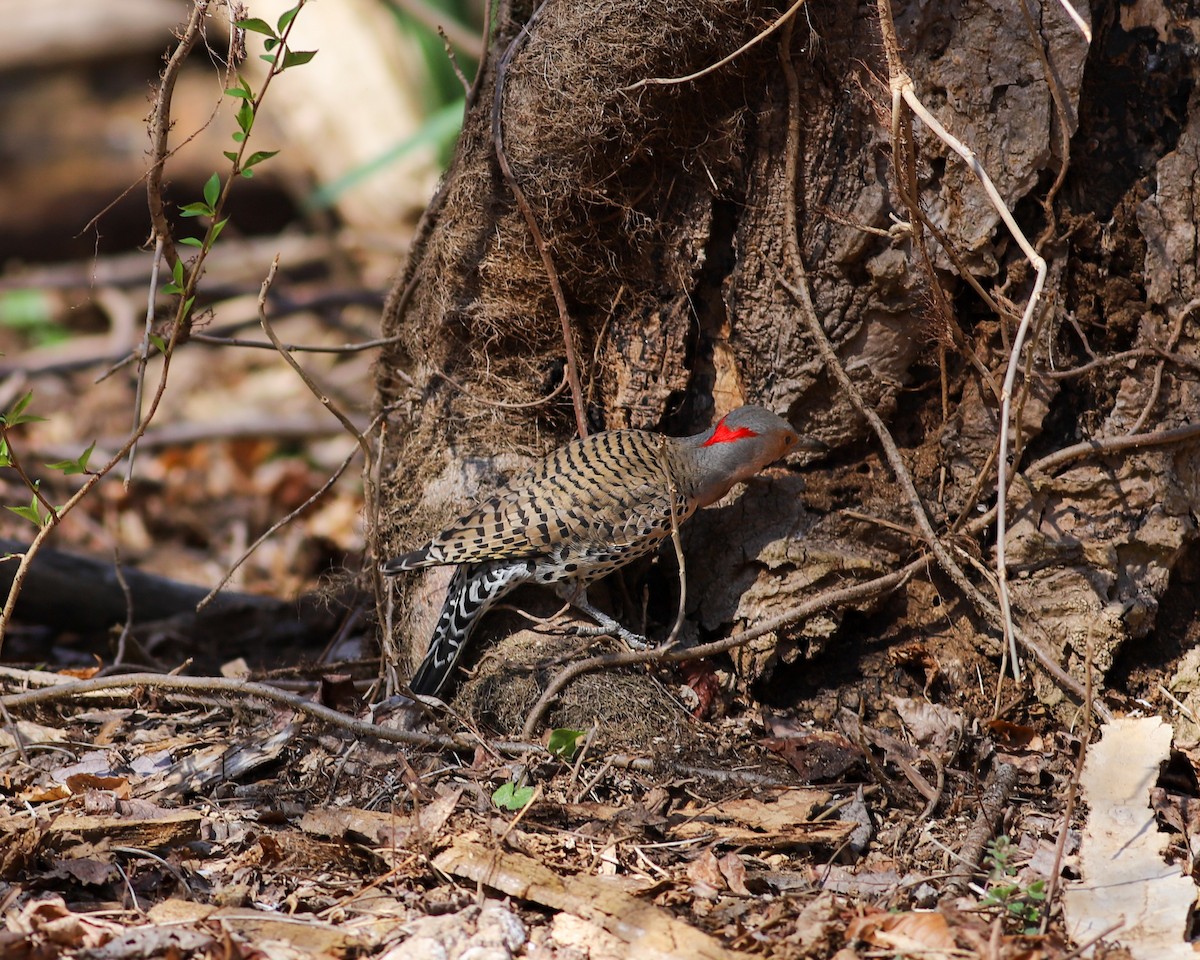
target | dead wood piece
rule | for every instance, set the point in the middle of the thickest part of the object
(70, 592)
(991, 805)
(651, 932)
(175, 828)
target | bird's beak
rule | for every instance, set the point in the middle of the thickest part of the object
(812, 443)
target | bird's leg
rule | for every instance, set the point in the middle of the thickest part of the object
(605, 626)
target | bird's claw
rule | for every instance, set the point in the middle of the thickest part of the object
(610, 628)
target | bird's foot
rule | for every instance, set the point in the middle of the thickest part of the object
(606, 626)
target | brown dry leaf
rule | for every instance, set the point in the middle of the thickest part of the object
(301, 932)
(1015, 736)
(914, 934)
(80, 673)
(51, 920)
(780, 822)
(377, 828)
(90, 783)
(59, 791)
(734, 872)
(917, 654)
(1177, 811)
(701, 678)
(705, 874)
(20, 840)
(817, 757)
(176, 911)
(29, 732)
(930, 724)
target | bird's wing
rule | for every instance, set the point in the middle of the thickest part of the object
(590, 493)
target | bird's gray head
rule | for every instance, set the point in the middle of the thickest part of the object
(736, 448)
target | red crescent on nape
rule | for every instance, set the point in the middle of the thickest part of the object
(724, 435)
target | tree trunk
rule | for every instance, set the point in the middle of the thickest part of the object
(668, 210)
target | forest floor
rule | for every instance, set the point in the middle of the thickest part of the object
(878, 808)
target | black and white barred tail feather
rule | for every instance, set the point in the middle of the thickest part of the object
(408, 561)
(473, 589)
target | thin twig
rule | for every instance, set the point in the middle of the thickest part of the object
(682, 608)
(160, 127)
(1065, 127)
(1060, 845)
(143, 352)
(32, 485)
(312, 385)
(1156, 385)
(1082, 24)
(1106, 445)
(936, 547)
(502, 404)
(215, 341)
(435, 17)
(127, 626)
(803, 298)
(179, 328)
(902, 85)
(822, 601)
(711, 68)
(248, 691)
(539, 241)
(284, 521)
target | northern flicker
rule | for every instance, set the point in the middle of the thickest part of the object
(587, 509)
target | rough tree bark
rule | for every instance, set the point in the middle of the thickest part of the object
(665, 208)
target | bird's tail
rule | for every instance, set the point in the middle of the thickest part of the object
(473, 589)
(408, 561)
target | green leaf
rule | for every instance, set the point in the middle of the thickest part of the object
(258, 157)
(16, 413)
(270, 44)
(269, 57)
(5, 459)
(242, 92)
(245, 117)
(286, 18)
(191, 241)
(297, 58)
(159, 343)
(230, 155)
(238, 137)
(212, 190)
(507, 797)
(78, 465)
(563, 742)
(33, 513)
(217, 228)
(255, 25)
(177, 272)
(195, 210)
